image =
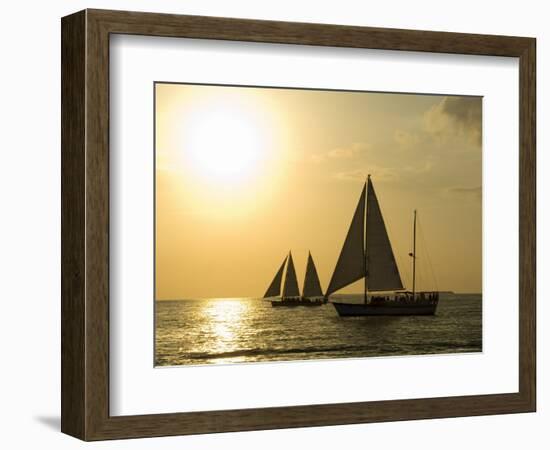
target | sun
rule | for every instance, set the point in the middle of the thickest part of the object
(225, 142)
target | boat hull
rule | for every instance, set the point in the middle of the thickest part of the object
(404, 307)
(349, 309)
(303, 301)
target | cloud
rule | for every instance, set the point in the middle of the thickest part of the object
(380, 174)
(455, 116)
(348, 152)
(474, 191)
(385, 174)
(406, 139)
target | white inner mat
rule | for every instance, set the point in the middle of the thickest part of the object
(136, 387)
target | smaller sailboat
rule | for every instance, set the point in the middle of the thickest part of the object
(291, 291)
(313, 294)
(274, 289)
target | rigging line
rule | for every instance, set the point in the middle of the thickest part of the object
(425, 250)
(402, 268)
(427, 275)
(432, 272)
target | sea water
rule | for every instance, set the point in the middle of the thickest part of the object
(234, 330)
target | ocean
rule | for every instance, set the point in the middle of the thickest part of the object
(235, 330)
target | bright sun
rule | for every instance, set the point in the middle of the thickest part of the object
(225, 141)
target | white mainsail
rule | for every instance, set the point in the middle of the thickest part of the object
(274, 289)
(351, 262)
(382, 271)
(290, 288)
(312, 285)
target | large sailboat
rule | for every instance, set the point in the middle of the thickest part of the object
(312, 295)
(367, 254)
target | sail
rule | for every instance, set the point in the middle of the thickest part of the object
(351, 262)
(274, 289)
(383, 274)
(290, 288)
(312, 286)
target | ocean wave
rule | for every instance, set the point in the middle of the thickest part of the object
(274, 351)
(367, 350)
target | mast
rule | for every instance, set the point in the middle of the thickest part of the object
(365, 248)
(367, 251)
(414, 254)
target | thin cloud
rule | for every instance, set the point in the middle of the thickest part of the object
(406, 139)
(347, 152)
(474, 191)
(380, 174)
(383, 174)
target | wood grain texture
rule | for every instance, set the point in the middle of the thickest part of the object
(85, 224)
(73, 226)
(151, 24)
(527, 224)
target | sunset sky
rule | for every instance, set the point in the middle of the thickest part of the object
(243, 175)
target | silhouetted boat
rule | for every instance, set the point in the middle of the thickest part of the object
(274, 289)
(367, 254)
(313, 294)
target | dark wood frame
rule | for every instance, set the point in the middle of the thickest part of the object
(85, 224)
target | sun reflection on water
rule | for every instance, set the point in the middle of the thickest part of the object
(224, 324)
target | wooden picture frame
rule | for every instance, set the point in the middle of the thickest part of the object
(85, 224)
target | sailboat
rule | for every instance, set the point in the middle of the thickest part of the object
(291, 291)
(313, 294)
(274, 289)
(367, 254)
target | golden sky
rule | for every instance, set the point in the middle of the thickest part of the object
(243, 175)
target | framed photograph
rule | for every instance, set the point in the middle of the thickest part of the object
(272, 224)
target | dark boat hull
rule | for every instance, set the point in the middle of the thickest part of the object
(296, 302)
(399, 307)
